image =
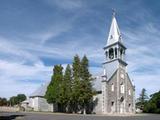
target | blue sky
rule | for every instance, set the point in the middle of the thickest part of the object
(37, 34)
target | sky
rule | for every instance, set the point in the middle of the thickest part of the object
(37, 34)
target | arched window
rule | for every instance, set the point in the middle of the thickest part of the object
(121, 51)
(111, 53)
(112, 87)
(115, 52)
(106, 54)
(129, 92)
(122, 88)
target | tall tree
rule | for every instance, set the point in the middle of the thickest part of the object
(21, 97)
(86, 91)
(153, 105)
(142, 99)
(66, 89)
(76, 66)
(3, 102)
(14, 100)
(53, 90)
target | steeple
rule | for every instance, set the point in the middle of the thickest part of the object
(114, 48)
(114, 33)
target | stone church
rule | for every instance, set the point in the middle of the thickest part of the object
(117, 91)
(116, 94)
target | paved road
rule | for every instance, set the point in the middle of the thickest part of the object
(51, 116)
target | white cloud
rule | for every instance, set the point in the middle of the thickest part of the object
(19, 78)
(52, 32)
(20, 60)
(66, 4)
(143, 57)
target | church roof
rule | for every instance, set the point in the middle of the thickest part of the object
(97, 82)
(114, 33)
(40, 92)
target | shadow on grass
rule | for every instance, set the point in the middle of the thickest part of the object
(10, 117)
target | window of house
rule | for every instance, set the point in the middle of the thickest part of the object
(111, 53)
(129, 92)
(112, 103)
(122, 88)
(129, 105)
(115, 52)
(112, 87)
(106, 54)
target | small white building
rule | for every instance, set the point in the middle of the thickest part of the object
(37, 101)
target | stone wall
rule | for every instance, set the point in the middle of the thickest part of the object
(9, 109)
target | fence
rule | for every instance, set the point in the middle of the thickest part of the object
(8, 109)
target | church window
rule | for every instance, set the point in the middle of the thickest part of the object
(112, 87)
(106, 54)
(112, 103)
(129, 105)
(115, 52)
(122, 75)
(121, 51)
(111, 53)
(111, 37)
(129, 92)
(122, 88)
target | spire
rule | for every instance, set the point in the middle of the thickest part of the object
(114, 33)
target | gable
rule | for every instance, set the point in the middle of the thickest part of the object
(128, 78)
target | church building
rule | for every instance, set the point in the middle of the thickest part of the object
(116, 94)
(117, 91)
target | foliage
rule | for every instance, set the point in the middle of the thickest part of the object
(14, 100)
(86, 91)
(66, 88)
(71, 91)
(75, 84)
(53, 90)
(142, 100)
(21, 97)
(153, 105)
(3, 102)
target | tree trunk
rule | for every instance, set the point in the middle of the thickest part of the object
(84, 110)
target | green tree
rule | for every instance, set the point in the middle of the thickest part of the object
(76, 66)
(86, 90)
(54, 88)
(3, 102)
(21, 97)
(65, 92)
(68, 87)
(72, 91)
(142, 99)
(15, 100)
(153, 105)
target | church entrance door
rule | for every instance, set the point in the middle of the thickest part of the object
(122, 110)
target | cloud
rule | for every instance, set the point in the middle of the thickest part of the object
(142, 54)
(15, 76)
(67, 5)
(76, 27)
(51, 33)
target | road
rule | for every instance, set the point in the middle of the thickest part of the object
(58, 116)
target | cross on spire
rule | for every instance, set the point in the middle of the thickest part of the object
(113, 12)
(114, 33)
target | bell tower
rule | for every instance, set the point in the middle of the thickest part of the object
(114, 49)
(117, 88)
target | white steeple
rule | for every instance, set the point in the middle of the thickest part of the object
(114, 33)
